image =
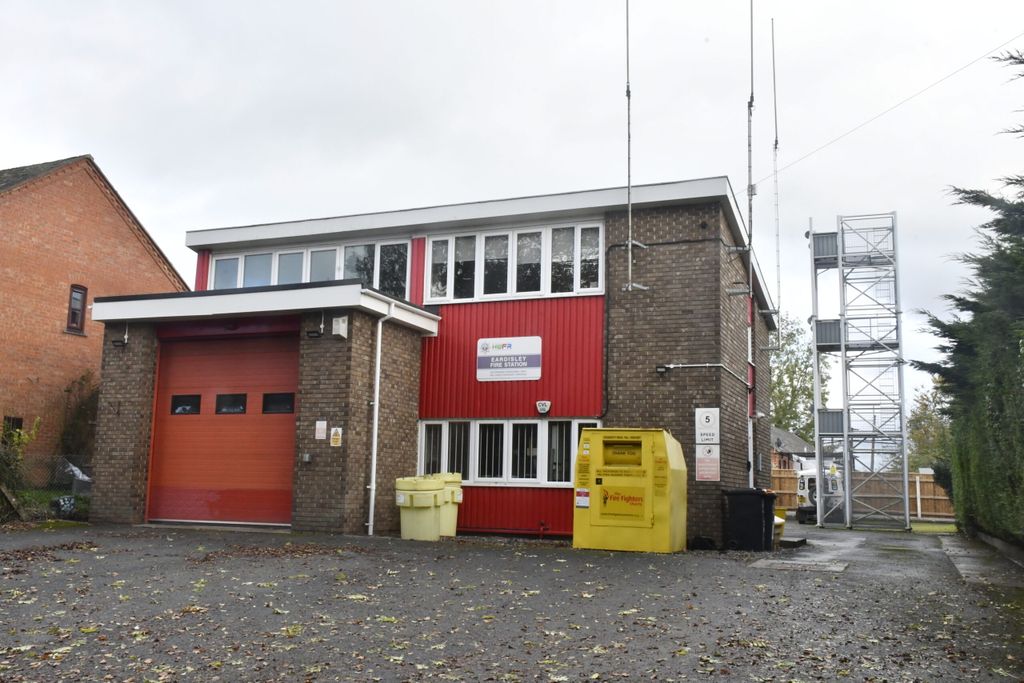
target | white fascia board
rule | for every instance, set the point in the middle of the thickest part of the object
(244, 303)
(401, 313)
(444, 217)
(231, 302)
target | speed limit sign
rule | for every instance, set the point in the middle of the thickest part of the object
(706, 425)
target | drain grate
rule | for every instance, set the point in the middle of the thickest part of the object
(795, 565)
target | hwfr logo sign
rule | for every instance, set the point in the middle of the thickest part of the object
(508, 359)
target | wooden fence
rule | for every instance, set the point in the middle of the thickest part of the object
(927, 499)
(784, 485)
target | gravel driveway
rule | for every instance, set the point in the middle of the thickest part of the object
(173, 604)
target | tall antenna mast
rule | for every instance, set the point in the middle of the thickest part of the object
(775, 179)
(630, 285)
(751, 190)
(751, 307)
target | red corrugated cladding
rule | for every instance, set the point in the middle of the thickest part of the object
(416, 265)
(571, 330)
(514, 510)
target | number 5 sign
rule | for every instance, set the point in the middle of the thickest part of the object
(706, 425)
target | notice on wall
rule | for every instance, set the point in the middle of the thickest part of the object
(321, 429)
(582, 498)
(708, 461)
(508, 359)
(706, 425)
(335, 437)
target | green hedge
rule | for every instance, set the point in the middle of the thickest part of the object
(988, 434)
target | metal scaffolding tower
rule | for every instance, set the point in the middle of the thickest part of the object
(867, 437)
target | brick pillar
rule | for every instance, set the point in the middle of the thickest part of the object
(336, 385)
(687, 317)
(124, 425)
(399, 415)
(325, 365)
(356, 499)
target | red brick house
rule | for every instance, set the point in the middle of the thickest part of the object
(478, 338)
(68, 237)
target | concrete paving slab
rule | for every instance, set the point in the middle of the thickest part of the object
(979, 563)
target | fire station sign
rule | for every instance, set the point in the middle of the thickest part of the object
(508, 359)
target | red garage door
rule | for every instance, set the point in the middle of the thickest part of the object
(224, 433)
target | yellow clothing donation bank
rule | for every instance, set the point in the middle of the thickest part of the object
(630, 491)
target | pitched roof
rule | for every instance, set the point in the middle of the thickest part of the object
(785, 441)
(12, 177)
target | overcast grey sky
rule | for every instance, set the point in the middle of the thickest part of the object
(207, 114)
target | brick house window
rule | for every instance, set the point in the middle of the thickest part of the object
(76, 308)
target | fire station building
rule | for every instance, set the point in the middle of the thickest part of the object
(318, 360)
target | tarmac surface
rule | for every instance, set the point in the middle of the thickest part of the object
(176, 604)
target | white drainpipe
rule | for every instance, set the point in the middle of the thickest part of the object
(376, 417)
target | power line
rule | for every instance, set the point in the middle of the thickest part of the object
(894, 107)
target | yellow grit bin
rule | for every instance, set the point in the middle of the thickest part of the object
(630, 491)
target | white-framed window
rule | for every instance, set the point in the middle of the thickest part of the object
(522, 262)
(382, 265)
(503, 452)
(323, 265)
(491, 449)
(529, 261)
(290, 265)
(439, 281)
(392, 273)
(257, 270)
(495, 264)
(226, 271)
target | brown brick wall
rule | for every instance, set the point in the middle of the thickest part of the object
(684, 317)
(66, 228)
(336, 384)
(734, 349)
(734, 356)
(324, 378)
(124, 424)
(762, 384)
(399, 410)
(362, 331)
